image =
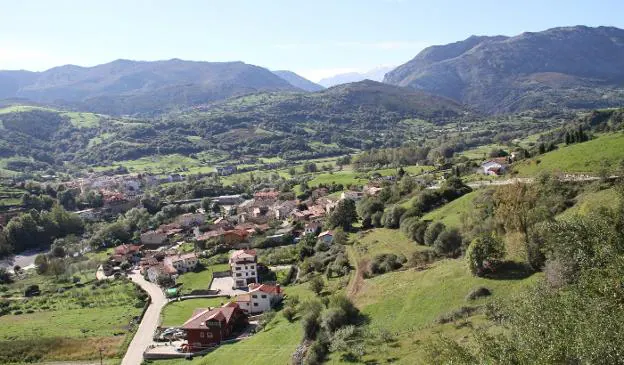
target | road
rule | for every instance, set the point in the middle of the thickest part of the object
(144, 335)
(25, 260)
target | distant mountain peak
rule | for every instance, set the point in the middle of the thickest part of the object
(298, 81)
(375, 74)
(559, 67)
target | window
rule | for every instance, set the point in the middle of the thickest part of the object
(254, 296)
(202, 334)
(255, 304)
(252, 267)
(253, 273)
(238, 267)
(238, 274)
(263, 296)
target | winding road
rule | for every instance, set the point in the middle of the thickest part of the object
(144, 335)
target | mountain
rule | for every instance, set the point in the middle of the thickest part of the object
(129, 87)
(376, 74)
(569, 67)
(298, 81)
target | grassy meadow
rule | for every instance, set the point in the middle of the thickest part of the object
(605, 153)
(176, 313)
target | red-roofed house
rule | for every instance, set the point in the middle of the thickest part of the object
(261, 298)
(208, 327)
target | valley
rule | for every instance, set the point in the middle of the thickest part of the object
(469, 209)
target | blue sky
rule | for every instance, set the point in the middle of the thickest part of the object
(316, 38)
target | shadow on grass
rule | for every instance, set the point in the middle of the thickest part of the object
(511, 270)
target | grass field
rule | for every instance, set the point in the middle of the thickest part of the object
(592, 201)
(605, 152)
(162, 164)
(176, 313)
(378, 241)
(407, 303)
(450, 214)
(68, 325)
(199, 280)
(345, 178)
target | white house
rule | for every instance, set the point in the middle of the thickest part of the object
(282, 211)
(261, 298)
(191, 219)
(311, 228)
(495, 166)
(353, 195)
(182, 263)
(244, 268)
(153, 238)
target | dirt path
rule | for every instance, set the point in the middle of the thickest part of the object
(144, 335)
(357, 280)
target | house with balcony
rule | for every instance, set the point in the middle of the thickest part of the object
(244, 268)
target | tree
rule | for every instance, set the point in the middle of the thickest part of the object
(5, 276)
(432, 232)
(344, 215)
(317, 285)
(289, 313)
(206, 203)
(484, 252)
(392, 216)
(448, 242)
(41, 264)
(57, 267)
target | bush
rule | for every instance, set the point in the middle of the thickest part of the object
(422, 258)
(479, 292)
(448, 242)
(317, 285)
(432, 232)
(289, 313)
(415, 229)
(460, 313)
(484, 254)
(265, 318)
(384, 263)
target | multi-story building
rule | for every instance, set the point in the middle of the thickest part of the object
(244, 267)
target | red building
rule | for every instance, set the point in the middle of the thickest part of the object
(208, 327)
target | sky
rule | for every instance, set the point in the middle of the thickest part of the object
(315, 38)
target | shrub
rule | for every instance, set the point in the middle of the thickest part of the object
(265, 318)
(484, 253)
(384, 263)
(422, 258)
(289, 313)
(448, 242)
(316, 284)
(432, 232)
(460, 313)
(478, 293)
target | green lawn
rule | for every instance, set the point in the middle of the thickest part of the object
(605, 152)
(450, 214)
(482, 152)
(176, 313)
(83, 120)
(199, 280)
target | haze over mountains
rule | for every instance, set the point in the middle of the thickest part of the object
(376, 74)
(128, 87)
(572, 67)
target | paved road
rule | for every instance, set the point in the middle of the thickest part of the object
(143, 337)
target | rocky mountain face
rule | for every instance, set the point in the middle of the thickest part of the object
(574, 67)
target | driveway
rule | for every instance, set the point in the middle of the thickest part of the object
(224, 285)
(144, 335)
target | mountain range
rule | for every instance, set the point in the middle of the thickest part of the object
(376, 74)
(573, 67)
(130, 87)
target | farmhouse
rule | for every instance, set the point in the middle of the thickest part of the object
(208, 327)
(243, 267)
(261, 298)
(312, 228)
(495, 166)
(181, 263)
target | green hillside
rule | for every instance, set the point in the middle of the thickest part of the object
(450, 214)
(603, 153)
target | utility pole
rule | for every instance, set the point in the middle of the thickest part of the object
(101, 361)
